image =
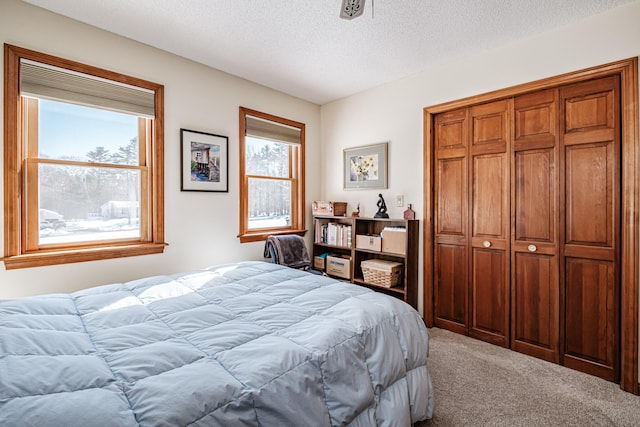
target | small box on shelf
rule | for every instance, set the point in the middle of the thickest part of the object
(319, 208)
(339, 266)
(394, 240)
(372, 243)
(320, 262)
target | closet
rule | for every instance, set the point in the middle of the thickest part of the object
(526, 217)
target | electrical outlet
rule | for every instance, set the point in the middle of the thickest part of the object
(399, 201)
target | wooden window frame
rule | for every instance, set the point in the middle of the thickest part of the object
(296, 177)
(18, 252)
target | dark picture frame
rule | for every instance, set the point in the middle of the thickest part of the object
(204, 161)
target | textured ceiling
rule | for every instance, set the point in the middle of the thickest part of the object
(303, 48)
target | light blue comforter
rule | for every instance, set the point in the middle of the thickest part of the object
(252, 344)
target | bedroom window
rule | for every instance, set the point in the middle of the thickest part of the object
(271, 176)
(83, 162)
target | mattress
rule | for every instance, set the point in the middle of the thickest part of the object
(252, 344)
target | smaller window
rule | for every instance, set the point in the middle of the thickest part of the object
(271, 176)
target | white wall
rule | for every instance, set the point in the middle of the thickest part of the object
(201, 228)
(393, 112)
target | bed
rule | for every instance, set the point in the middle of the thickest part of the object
(251, 344)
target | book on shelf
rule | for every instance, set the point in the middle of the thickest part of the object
(333, 233)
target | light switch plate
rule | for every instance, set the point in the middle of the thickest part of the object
(399, 201)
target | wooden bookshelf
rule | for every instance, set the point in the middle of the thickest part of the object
(344, 244)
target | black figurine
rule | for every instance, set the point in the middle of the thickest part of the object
(382, 208)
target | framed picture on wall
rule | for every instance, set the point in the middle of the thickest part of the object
(365, 167)
(204, 161)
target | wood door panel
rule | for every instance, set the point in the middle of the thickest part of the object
(590, 105)
(536, 119)
(490, 294)
(535, 195)
(535, 261)
(490, 222)
(451, 131)
(588, 112)
(451, 261)
(451, 202)
(490, 196)
(450, 287)
(489, 128)
(535, 306)
(591, 300)
(591, 136)
(590, 252)
(596, 135)
(589, 202)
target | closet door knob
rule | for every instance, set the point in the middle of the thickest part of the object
(532, 248)
(486, 244)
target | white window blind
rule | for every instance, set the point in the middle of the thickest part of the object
(260, 128)
(58, 84)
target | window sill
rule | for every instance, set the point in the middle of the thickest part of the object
(262, 235)
(42, 259)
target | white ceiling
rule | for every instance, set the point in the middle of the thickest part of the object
(303, 48)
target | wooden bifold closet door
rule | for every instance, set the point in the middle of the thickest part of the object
(472, 222)
(590, 197)
(526, 239)
(535, 186)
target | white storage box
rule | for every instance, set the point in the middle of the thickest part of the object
(394, 240)
(373, 243)
(339, 266)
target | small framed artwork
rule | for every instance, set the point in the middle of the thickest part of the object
(365, 167)
(204, 161)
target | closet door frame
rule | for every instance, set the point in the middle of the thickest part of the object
(630, 226)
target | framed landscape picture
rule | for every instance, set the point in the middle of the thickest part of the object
(365, 167)
(204, 161)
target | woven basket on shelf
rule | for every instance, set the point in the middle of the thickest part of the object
(381, 272)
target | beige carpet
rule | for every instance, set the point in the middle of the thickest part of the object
(479, 384)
